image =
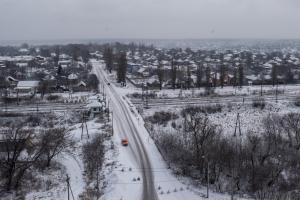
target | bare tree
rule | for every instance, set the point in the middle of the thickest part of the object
(208, 81)
(199, 75)
(93, 82)
(188, 77)
(291, 127)
(108, 58)
(274, 75)
(19, 153)
(222, 75)
(53, 142)
(56, 58)
(201, 133)
(93, 156)
(241, 75)
(44, 88)
(122, 68)
(160, 74)
(173, 74)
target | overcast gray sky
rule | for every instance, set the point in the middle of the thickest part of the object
(151, 19)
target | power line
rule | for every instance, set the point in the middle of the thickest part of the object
(141, 182)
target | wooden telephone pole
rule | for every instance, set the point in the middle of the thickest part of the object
(69, 188)
(238, 142)
(84, 124)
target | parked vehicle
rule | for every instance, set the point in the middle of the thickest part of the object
(124, 142)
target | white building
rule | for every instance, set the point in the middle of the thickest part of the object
(27, 87)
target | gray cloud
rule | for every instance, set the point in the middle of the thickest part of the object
(56, 19)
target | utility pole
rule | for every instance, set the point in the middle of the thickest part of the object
(237, 125)
(84, 124)
(236, 159)
(6, 99)
(97, 184)
(112, 123)
(37, 106)
(147, 96)
(143, 85)
(69, 188)
(207, 189)
(261, 84)
(207, 176)
(18, 97)
(180, 92)
(276, 91)
(103, 90)
(108, 110)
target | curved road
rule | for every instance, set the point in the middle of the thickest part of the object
(127, 128)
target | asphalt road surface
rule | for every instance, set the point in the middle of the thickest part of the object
(124, 120)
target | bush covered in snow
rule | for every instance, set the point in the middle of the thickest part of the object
(162, 117)
(53, 97)
(93, 153)
(297, 102)
(259, 103)
(137, 95)
(209, 109)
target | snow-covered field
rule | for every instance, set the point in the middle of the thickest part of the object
(251, 119)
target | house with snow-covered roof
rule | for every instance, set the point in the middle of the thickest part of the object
(27, 87)
(95, 108)
(11, 80)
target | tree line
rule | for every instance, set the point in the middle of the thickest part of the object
(263, 165)
(117, 61)
(180, 76)
(25, 149)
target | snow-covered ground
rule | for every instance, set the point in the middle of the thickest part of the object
(291, 90)
(72, 166)
(251, 119)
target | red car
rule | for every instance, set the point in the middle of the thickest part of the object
(124, 142)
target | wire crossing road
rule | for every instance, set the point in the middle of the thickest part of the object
(126, 128)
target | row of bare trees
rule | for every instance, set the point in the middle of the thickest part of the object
(24, 149)
(93, 158)
(264, 165)
(120, 58)
(182, 75)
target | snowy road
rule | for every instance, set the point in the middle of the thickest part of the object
(141, 157)
(127, 129)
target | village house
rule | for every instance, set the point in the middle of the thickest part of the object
(11, 81)
(27, 87)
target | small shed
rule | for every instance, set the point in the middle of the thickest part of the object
(95, 108)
